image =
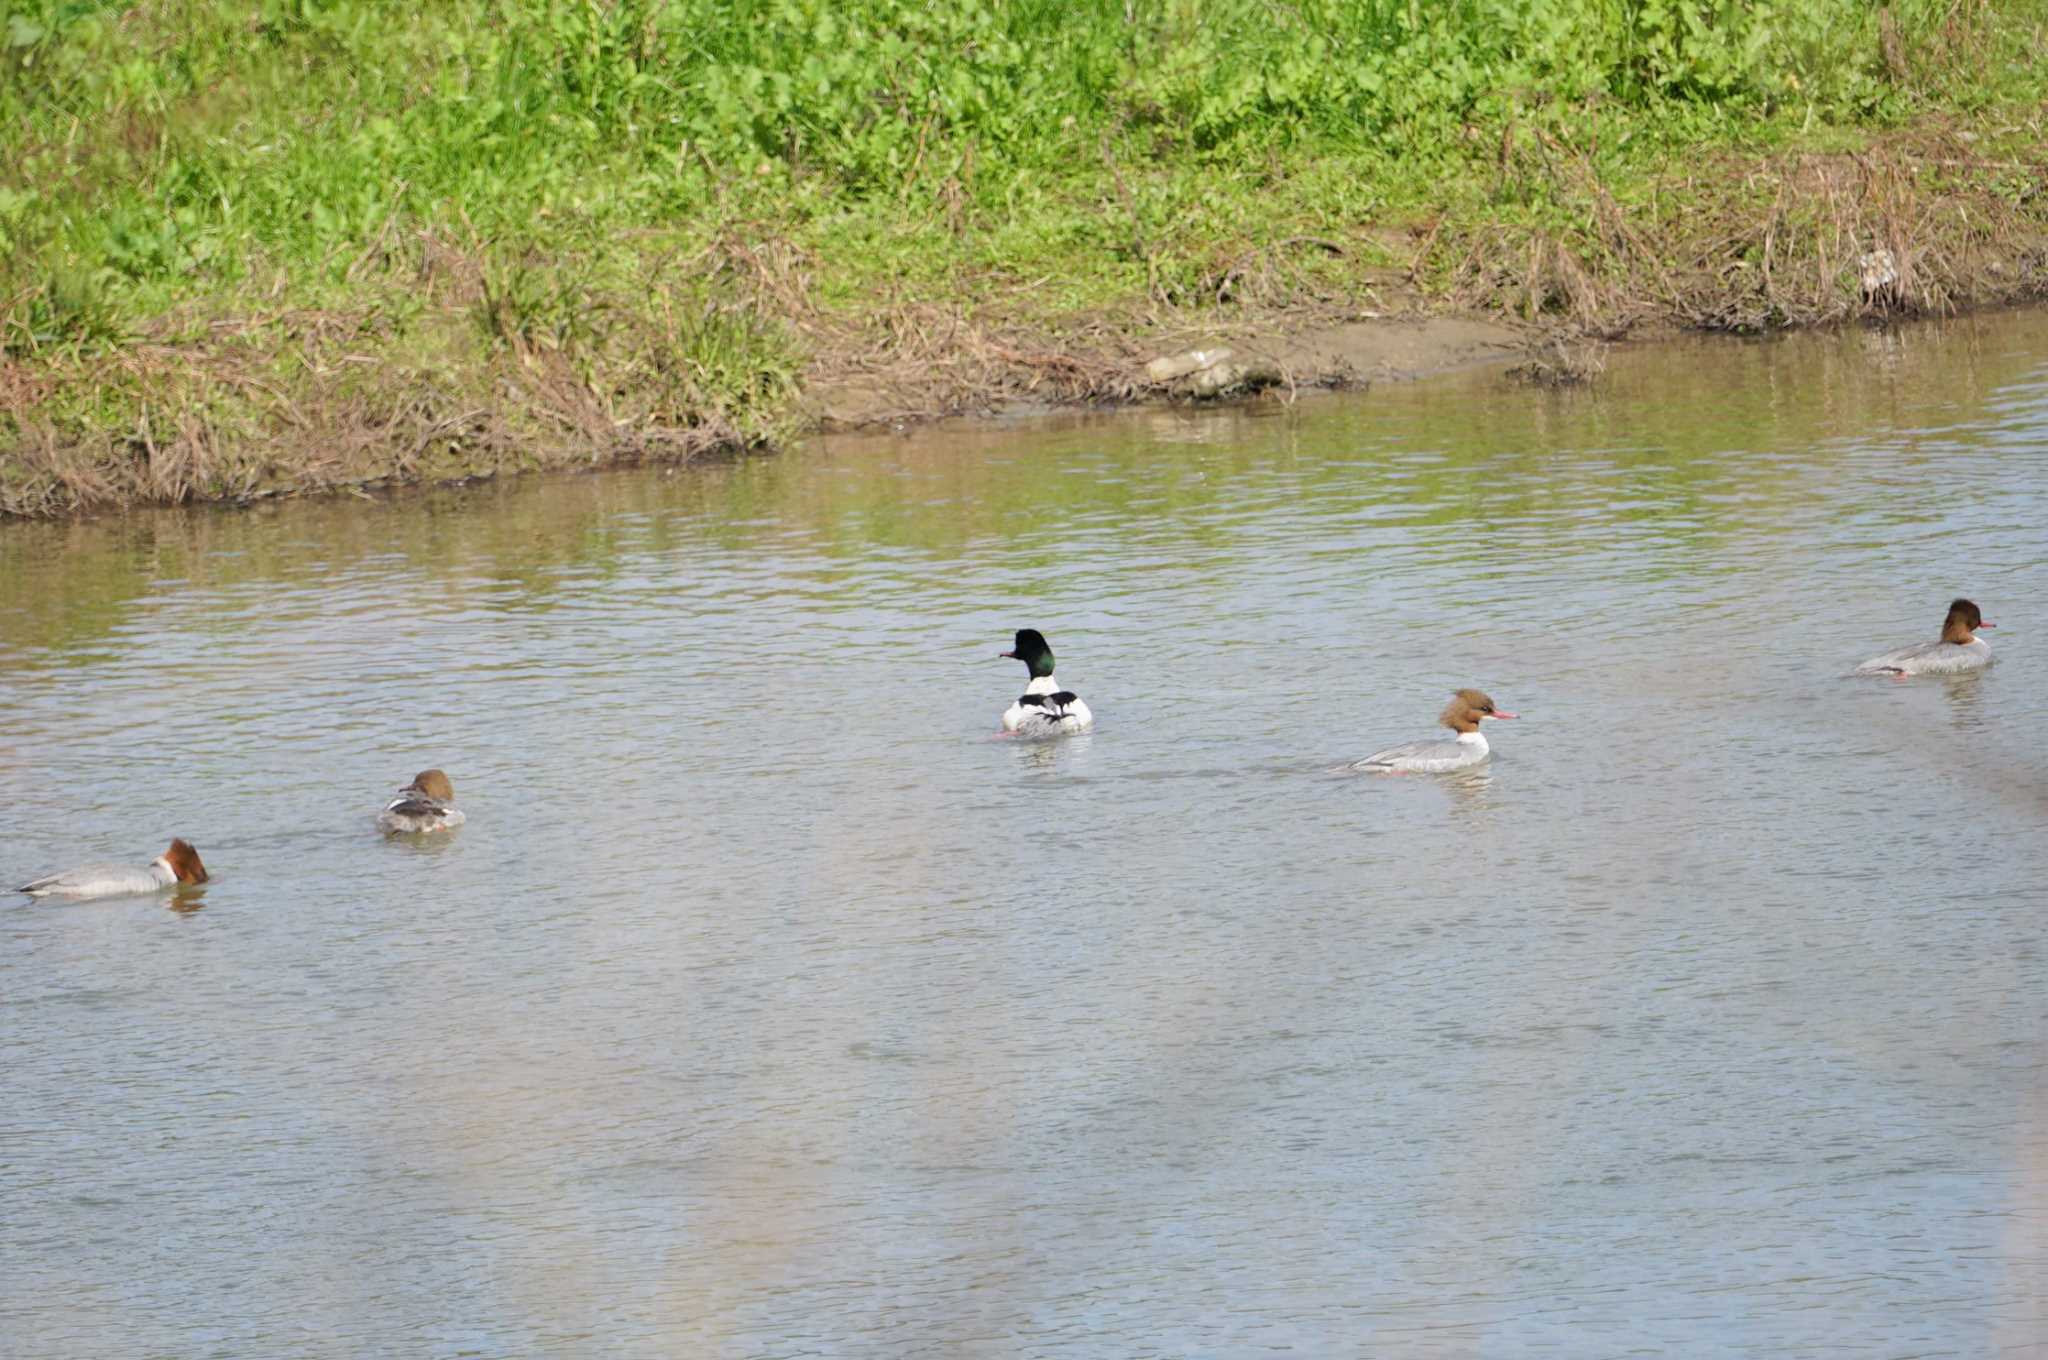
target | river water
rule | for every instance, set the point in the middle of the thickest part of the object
(771, 1005)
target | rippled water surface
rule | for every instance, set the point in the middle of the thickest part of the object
(770, 1005)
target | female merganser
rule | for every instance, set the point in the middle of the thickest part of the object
(1960, 649)
(179, 864)
(426, 804)
(1468, 707)
(1044, 709)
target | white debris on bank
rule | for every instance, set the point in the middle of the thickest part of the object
(1211, 373)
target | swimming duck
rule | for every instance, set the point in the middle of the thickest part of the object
(1044, 709)
(1959, 648)
(1467, 709)
(426, 804)
(179, 864)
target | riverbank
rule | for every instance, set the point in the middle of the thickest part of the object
(248, 255)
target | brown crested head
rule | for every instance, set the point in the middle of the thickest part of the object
(184, 862)
(433, 784)
(1963, 621)
(1467, 707)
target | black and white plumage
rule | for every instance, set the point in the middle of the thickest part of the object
(1044, 709)
(426, 804)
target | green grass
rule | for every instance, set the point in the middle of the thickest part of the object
(637, 212)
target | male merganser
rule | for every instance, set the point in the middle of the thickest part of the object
(179, 864)
(1468, 707)
(1044, 709)
(426, 804)
(1960, 649)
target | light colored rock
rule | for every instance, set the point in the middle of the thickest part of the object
(1168, 367)
(1213, 372)
(1217, 379)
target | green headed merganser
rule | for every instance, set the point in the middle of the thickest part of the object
(1044, 709)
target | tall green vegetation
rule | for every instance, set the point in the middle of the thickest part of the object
(161, 151)
(591, 165)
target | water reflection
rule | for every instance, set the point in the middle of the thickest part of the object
(1469, 790)
(1965, 695)
(1046, 755)
(768, 999)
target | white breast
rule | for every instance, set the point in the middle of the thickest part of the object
(1440, 756)
(1931, 658)
(1037, 720)
(103, 880)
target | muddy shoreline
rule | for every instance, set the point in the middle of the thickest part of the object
(1216, 364)
(1324, 353)
(302, 403)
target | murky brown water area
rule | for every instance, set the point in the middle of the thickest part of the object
(768, 1005)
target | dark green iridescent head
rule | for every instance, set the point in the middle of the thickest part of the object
(1032, 650)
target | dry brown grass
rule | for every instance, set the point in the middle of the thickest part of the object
(468, 364)
(930, 360)
(273, 403)
(1772, 243)
(1561, 361)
